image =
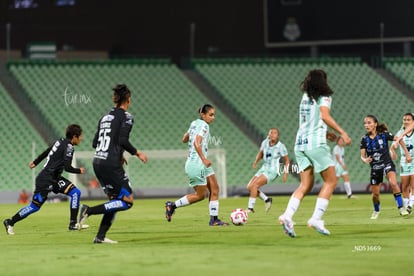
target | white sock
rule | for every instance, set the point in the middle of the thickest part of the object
(320, 208)
(292, 207)
(182, 202)
(263, 195)
(411, 201)
(348, 190)
(252, 202)
(406, 200)
(214, 208)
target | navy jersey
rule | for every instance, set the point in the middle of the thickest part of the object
(59, 158)
(112, 137)
(377, 148)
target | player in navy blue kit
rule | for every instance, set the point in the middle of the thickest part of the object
(110, 142)
(376, 152)
(59, 157)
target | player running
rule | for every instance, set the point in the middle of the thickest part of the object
(199, 169)
(110, 142)
(270, 151)
(406, 168)
(58, 158)
(376, 153)
(312, 152)
(341, 171)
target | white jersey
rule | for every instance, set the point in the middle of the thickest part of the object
(340, 151)
(272, 154)
(197, 127)
(409, 143)
(312, 129)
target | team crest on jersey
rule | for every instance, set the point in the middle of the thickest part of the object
(376, 156)
(130, 119)
(69, 150)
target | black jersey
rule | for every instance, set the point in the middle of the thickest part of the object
(377, 148)
(112, 137)
(59, 158)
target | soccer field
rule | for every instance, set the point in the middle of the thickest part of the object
(149, 245)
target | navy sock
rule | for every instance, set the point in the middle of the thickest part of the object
(398, 200)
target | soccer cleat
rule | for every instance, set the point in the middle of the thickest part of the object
(217, 222)
(319, 225)
(268, 204)
(250, 210)
(352, 196)
(77, 226)
(83, 216)
(169, 210)
(409, 209)
(375, 214)
(8, 226)
(403, 212)
(287, 225)
(104, 240)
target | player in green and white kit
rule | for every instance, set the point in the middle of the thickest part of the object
(271, 150)
(312, 152)
(198, 168)
(406, 168)
(338, 154)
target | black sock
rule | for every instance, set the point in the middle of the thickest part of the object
(95, 210)
(15, 219)
(106, 223)
(73, 215)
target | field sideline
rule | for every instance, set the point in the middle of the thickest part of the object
(148, 245)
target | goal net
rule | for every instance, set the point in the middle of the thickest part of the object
(162, 176)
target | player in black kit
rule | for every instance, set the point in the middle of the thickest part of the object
(376, 152)
(110, 142)
(59, 157)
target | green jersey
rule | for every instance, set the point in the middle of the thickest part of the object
(272, 154)
(409, 143)
(201, 128)
(312, 129)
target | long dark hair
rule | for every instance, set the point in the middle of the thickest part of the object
(121, 94)
(380, 127)
(316, 84)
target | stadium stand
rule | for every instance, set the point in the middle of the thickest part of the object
(19, 141)
(268, 93)
(265, 91)
(163, 104)
(402, 68)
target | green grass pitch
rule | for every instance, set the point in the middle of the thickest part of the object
(149, 245)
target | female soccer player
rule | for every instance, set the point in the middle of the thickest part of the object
(198, 168)
(406, 168)
(110, 142)
(50, 179)
(270, 151)
(340, 167)
(376, 153)
(312, 152)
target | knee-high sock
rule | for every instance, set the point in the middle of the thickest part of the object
(74, 195)
(24, 212)
(106, 223)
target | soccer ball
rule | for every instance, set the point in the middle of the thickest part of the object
(239, 217)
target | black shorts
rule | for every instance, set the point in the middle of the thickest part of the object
(112, 179)
(49, 184)
(377, 176)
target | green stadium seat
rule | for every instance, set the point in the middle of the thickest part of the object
(164, 102)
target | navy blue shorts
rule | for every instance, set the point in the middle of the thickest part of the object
(113, 180)
(377, 176)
